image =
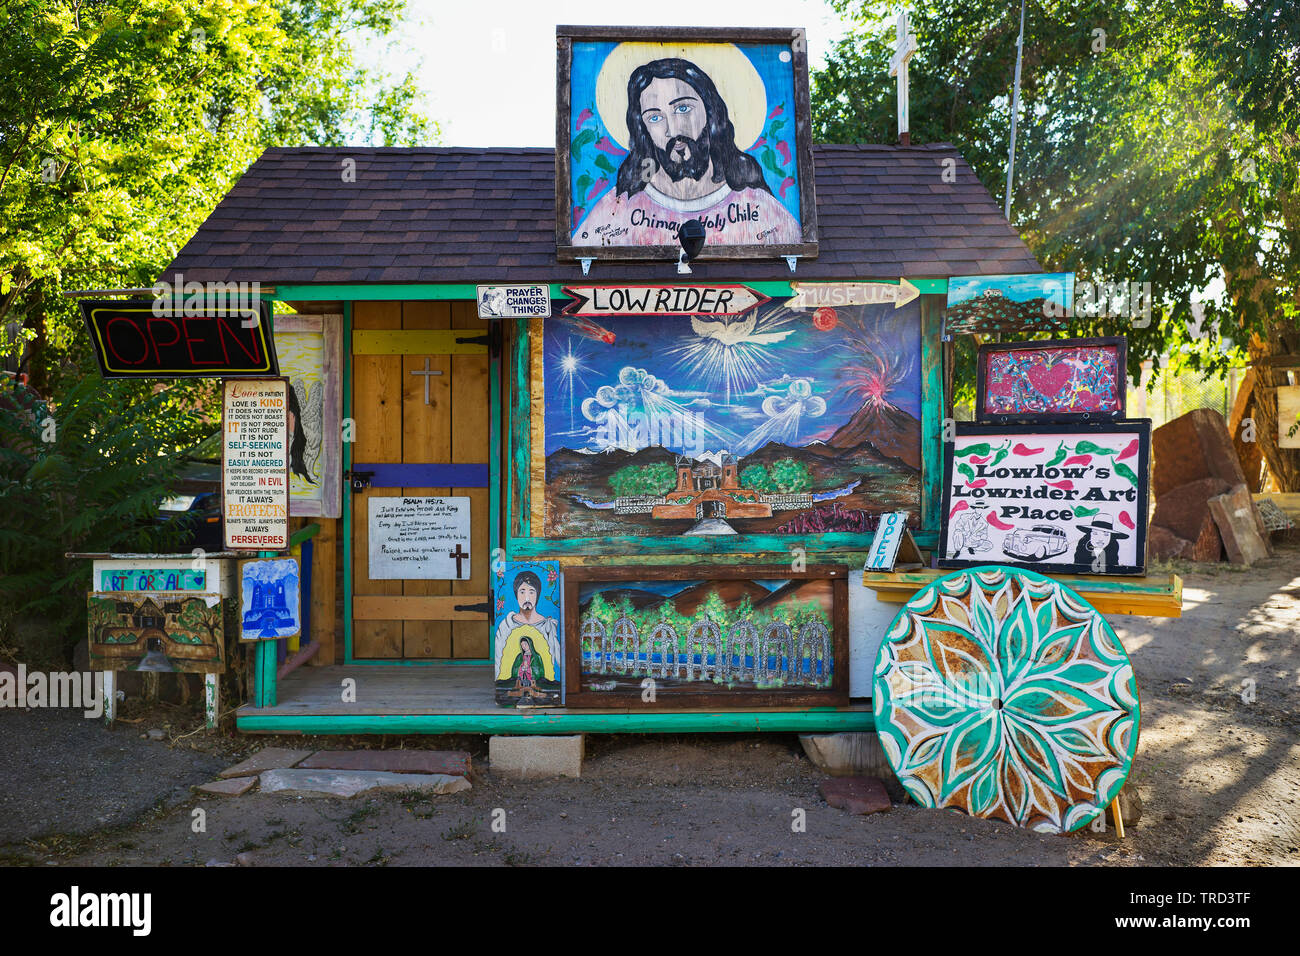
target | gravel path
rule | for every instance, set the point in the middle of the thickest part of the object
(1218, 769)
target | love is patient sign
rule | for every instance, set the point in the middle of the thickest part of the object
(1055, 498)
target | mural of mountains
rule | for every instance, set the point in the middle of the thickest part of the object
(888, 432)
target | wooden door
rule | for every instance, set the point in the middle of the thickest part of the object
(420, 401)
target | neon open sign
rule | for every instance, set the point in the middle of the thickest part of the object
(131, 340)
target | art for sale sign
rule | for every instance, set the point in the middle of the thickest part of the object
(1067, 499)
(255, 464)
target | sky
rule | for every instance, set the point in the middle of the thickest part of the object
(487, 67)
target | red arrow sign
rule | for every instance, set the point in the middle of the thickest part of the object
(662, 300)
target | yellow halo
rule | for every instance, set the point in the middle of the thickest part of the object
(738, 83)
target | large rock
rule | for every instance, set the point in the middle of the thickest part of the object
(536, 756)
(1185, 509)
(1240, 526)
(349, 783)
(1193, 446)
(856, 794)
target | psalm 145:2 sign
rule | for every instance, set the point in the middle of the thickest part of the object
(1053, 498)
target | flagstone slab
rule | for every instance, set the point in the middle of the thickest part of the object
(349, 783)
(453, 762)
(269, 758)
(232, 787)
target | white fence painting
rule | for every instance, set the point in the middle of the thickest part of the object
(777, 657)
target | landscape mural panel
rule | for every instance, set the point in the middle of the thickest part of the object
(735, 634)
(774, 422)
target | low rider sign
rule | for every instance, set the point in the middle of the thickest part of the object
(662, 300)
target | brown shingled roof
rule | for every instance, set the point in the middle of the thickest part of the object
(487, 215)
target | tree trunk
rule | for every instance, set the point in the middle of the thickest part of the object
(1283, 463)
(35, 362)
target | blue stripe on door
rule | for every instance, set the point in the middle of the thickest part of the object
(425, 476)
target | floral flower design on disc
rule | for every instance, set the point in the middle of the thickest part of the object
(1002, 693)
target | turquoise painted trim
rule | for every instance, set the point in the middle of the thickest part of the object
(494, 481)
(455, 290)
(265, 664)
(347, 487)
(932, 416)
(520, 542)
(518, 514)
(418, 662)
(516, 722)
(847, 549)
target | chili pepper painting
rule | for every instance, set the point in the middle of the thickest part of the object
(1053, 497)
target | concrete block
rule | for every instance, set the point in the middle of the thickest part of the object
(847, 754)
(531, 756)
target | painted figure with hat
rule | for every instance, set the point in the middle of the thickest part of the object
(970, 532)
(1099, 546)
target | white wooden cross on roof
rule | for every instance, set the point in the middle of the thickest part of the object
(904, 47)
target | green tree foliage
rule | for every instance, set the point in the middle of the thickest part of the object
(121, 127)
(790, 476)
(655, 480)
(125, 123)
(1158, 142)
(86, 476)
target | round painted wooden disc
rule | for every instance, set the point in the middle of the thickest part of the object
(1002, 693)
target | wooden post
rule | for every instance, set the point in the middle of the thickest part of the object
(1119, 818)
(211, 699)
(264, 675)
(323, 568)
(110, 698)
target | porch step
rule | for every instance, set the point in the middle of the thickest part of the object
(349, 783)
(455, 763)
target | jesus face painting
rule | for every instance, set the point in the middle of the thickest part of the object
(687, 155)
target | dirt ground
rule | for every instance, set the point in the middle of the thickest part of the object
(1218, 770)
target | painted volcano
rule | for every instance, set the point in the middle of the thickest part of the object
(885, 430)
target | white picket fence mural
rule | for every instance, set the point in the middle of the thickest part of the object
(777, 657)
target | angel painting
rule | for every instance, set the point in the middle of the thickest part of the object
(306, 419)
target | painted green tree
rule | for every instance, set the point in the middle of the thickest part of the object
(756, 478)
(1157, 142)
(654, 480)
(789, 476)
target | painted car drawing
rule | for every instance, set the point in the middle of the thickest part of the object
(1039, 542)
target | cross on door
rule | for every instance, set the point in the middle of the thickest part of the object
(459, 554)
(426, 372)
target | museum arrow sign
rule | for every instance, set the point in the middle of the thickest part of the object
(595, 300)
(809, 295)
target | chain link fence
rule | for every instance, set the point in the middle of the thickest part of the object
(1171, 394)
